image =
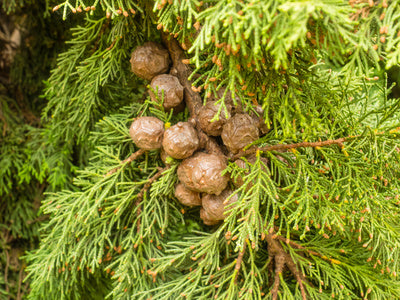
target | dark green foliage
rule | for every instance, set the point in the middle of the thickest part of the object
(12, 5)
(91, 79)
(114, 228)
(26, 58)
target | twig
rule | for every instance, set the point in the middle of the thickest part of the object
(281, 258)
(145, 188)
(112, 44)
(6, 272)
(293, 244)
(192, 99)
(300, 247)
(130, 159)
(239, 262)
(38, 219)
(20, 277)
(294, 146)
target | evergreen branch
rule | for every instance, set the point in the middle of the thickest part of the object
(239, 262)
(142, 192)
(130, 159)
(100, 35)
(150, 182)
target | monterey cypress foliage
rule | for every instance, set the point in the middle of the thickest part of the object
(298, 188)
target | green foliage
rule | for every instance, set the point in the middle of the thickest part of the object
(115, 229)
(91, 79)
(328, 199)
(19, 227)
(22, 181)
(230, 34)
(12, 5)
(100, 215)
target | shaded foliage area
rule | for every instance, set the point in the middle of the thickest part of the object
(30, 39)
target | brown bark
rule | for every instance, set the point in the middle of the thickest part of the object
(281, 258)
(239, 261)
(286, 147)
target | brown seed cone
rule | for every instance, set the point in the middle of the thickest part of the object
(214, 205)
(207, 113)
(259, 119)
(147, 132)
(186, 196)
(149, 60)
(169, 86)
(238, 132)
(238, 181)
(180, 140)
(202, 173)
(207, 218)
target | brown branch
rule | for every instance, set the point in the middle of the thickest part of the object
(279, 265)
(112, 44)
(20, 278)
(38, 219)
(300, 247)
(281, 258)
(182, 71)
(130, 159)
(239, 262)
(295, 245)
(6, 272)
(192, 99)
(145, 188)
(282, 147)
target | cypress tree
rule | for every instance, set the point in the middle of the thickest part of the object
(276, 178)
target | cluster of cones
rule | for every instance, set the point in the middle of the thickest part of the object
(202, 182)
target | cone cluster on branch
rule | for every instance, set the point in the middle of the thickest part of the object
(202, 181)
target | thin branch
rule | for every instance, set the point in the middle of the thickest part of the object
(145, 188)
(38, 219)
(182, 71)
(6, 272)
(239, 262)
(279, 265)
(294, 146)
(294, 244)
(300, 247)
(282, 258)
(112, 44)
(130, 159)
(20, 278)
